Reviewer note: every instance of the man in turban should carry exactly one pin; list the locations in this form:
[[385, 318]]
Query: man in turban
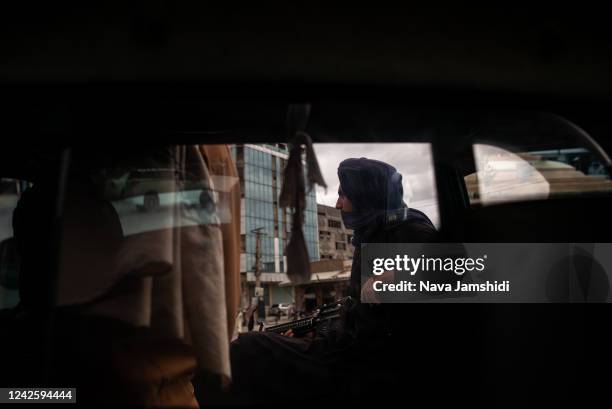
[[371, 202]]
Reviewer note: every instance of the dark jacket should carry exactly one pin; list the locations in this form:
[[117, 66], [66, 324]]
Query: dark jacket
[[366, 322], [335, 365], [417, 228]]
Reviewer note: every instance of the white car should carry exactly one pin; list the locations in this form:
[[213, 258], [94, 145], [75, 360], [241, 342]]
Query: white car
[[284, 308]]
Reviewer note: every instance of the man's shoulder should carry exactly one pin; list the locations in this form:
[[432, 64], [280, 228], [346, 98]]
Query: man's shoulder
[[416, 228], [418, 217]]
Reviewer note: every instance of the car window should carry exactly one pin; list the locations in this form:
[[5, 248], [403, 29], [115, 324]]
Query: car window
[[506, 176], [122, 213], [260, 168]]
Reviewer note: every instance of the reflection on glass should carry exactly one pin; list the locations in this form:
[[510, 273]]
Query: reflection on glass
[[142, 243], [154, 203], [503, 176]]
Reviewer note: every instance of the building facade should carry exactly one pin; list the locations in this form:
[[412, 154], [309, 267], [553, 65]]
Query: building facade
[[329, 281], [260, 169], [335, 240]]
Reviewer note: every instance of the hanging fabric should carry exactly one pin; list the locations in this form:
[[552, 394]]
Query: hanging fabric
[[293, 192], [150, 253]]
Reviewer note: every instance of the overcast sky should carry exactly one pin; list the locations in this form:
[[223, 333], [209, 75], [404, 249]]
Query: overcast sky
[[412, 160]]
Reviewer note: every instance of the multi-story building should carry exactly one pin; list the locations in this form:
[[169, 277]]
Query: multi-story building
[[260, 168], [334, 237]]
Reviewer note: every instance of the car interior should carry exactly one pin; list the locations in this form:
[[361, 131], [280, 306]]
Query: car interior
[[106, 300]]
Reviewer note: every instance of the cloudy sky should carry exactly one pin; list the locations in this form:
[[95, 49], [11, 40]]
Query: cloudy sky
[[412, 160]]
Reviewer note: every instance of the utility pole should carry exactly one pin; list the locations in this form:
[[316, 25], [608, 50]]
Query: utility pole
[[261, 310]]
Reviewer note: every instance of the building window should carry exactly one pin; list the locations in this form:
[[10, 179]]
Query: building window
[[340, 246], [334, 224], [324, 235]]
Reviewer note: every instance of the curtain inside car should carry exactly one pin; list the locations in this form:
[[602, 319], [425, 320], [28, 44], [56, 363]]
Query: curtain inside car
[[142, 243]]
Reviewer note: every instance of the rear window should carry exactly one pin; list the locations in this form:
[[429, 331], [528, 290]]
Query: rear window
[[534, 156], [506, 176]]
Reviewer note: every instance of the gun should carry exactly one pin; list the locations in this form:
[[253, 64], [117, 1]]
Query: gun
[[321, 320]]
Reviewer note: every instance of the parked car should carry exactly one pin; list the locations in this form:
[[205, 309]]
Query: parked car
[[284, 308], [279, 309]]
